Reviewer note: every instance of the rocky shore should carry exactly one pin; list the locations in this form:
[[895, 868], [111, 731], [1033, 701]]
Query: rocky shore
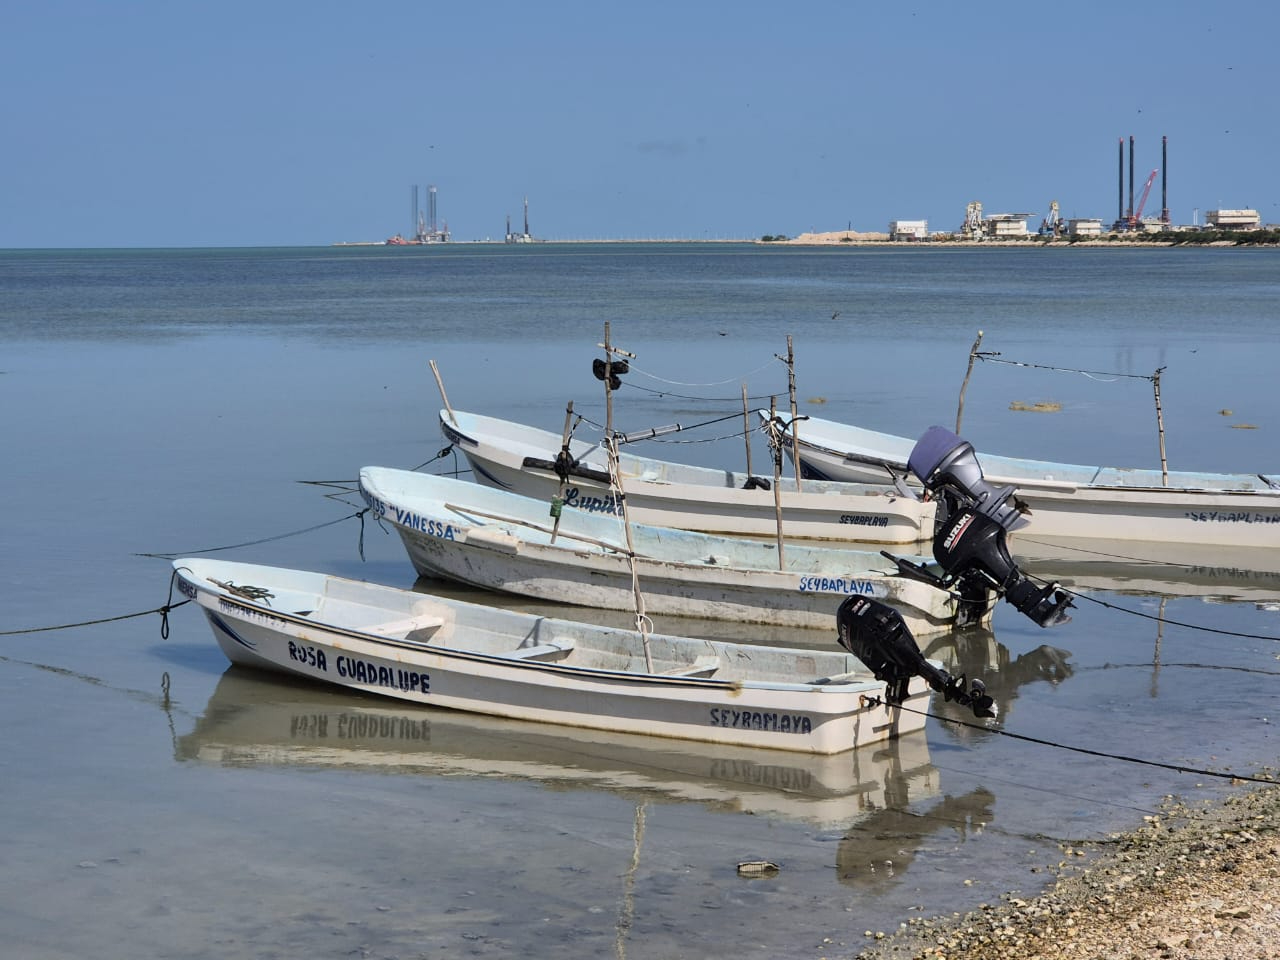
[[1193, 883]]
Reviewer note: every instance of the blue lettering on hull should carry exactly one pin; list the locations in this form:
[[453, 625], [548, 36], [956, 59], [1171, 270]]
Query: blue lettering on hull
[[837, 585], [407, 518], [574, 498], [377, 675]]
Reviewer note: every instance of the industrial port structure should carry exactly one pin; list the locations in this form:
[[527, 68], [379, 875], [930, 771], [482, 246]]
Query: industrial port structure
[[429, 230], [1129, 217], [976, 226]]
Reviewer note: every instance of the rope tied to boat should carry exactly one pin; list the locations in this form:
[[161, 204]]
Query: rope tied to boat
[[993, 356], [879, 701], [163, 611], [251, 543]]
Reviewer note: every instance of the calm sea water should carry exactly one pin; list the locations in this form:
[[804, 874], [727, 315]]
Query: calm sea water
[[157, 803]]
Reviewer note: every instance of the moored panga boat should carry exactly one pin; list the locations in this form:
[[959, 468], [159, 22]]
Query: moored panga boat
[[528, 461], [447, 653], [458, 530], [1182, 509]]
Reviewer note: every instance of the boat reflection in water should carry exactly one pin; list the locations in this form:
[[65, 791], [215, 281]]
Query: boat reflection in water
[[879, 804], [260, 719], [1213, 574]]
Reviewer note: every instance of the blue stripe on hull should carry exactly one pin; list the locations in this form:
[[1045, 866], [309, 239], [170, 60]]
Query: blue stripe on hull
[[222, 625]]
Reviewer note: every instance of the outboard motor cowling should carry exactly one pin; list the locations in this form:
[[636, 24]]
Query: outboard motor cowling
[[945, 462]]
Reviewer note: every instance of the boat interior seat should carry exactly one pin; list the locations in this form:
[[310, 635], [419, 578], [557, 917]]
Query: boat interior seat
[[421, 627], [703, 666], [851, 677], [552, 650]]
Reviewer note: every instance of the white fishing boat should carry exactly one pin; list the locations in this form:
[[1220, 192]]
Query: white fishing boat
[[255, 719], [525, 460], [439, 653], [458, 530], [1074, 501]]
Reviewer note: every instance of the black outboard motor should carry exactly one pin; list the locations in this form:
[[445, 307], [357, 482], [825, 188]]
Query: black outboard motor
[[876, 634], [971, 545], [971, 542], [947, 465]]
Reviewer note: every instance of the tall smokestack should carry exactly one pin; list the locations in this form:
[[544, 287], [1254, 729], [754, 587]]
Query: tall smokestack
[[1164, 179], [1130, 211], [1120, 206]]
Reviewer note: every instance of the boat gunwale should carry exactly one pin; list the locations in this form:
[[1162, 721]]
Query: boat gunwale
[[992, 464], [818, 685]]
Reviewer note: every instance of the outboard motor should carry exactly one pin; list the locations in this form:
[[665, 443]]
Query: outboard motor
[[947, 465], [971, 543], [876, 634]]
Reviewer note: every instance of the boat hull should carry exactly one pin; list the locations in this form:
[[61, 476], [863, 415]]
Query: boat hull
[[519, 459], [450, 541], [1069, 501]]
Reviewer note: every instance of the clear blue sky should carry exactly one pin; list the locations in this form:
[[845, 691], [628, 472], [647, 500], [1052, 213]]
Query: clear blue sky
[[276, 123]]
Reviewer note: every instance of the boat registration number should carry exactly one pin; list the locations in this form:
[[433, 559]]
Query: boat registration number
[[407, 518]]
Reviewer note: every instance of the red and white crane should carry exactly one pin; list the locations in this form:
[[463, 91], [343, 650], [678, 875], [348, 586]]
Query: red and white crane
[[1135, 221]]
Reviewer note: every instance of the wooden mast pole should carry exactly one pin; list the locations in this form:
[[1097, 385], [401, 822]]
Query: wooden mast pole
[[557, 502], [1164, 462], [795, 420], [615, 479], [973, 355], [777, 485]]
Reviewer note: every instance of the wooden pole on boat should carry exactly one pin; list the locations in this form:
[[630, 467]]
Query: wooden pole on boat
[[443, 396], [557, 502], [642, 620], [973, 355], [608, 389], [795, 420], [1164, 462], [777, 486], [615, 480], [746, 428]]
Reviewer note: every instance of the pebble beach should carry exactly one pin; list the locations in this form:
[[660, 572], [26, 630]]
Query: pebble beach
[[1193, 883]]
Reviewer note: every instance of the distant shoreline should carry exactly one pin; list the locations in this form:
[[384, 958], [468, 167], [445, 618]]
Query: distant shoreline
[[1029, 242]]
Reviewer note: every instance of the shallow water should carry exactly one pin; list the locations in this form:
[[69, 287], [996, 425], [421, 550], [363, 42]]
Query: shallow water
[[172, 402]]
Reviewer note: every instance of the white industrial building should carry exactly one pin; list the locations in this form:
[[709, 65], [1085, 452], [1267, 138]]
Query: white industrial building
[[1084, 228], [909, 230], [1233, 220], [1000, 225]]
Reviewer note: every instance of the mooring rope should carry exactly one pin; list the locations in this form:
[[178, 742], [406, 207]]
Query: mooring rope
[[714, 383], [163, 611], [1157, 617], [682, 396], [680, 428], [1141, 761], [250, 543], [994, 357]]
